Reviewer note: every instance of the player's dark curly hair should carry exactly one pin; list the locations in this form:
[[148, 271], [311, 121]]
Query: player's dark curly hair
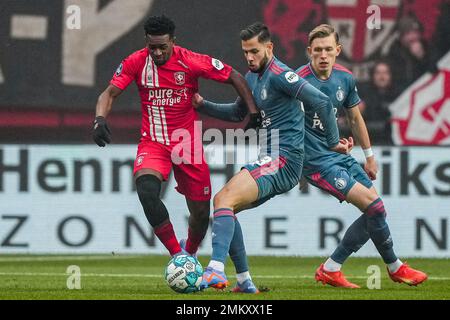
[[256, 29], [159, 25]]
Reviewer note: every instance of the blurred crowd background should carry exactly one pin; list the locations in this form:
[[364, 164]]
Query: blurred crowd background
[[52, 74]]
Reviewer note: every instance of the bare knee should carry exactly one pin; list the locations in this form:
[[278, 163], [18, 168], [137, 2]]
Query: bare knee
[[361, 196], [223, 199], [218, 198], [372, 196]]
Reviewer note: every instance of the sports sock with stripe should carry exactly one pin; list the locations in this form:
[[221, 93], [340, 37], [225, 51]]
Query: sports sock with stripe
[[237, 250], [354, 238], [379, 231], [222, 233]]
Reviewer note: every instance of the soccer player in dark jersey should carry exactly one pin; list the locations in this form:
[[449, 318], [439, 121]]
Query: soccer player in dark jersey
[[277, 91], [167, 78], [341, 175]]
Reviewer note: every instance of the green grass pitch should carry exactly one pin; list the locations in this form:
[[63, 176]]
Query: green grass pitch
[[141, 277]]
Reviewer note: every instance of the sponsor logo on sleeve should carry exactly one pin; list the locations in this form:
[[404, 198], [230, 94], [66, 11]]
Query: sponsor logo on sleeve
[[119, 70], [291, 77], [217, 64]]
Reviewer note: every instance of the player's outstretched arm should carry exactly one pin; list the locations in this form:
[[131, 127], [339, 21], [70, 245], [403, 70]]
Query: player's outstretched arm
[[242, 88], [233, 112], [359, 131], [294, 86], [101, 133], [105, 100], [322, 105]]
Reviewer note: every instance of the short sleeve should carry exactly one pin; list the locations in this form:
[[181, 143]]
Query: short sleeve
[[125, 74], [207, 67], [353, 98]]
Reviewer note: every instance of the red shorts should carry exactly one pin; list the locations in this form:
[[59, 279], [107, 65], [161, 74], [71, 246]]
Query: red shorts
[[190, 170]]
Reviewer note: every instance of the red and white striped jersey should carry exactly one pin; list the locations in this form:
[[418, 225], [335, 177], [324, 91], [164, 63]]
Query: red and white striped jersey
[[166, 91]]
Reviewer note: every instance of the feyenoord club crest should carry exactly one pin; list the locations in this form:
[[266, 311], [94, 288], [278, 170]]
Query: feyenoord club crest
[[264, 94], [179, 78], [340, 183], [340, 94]]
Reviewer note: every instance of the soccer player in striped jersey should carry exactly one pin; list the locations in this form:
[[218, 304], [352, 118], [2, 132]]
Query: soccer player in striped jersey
[[167, 78], [341, 175]]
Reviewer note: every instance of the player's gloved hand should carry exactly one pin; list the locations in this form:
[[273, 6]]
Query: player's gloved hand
[[101, 133], [254, 122]]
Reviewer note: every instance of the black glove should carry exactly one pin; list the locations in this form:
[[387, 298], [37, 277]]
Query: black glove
[[101, 133], [254, 122]]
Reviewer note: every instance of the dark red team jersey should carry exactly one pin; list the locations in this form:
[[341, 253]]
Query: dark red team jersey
[[166, 91]]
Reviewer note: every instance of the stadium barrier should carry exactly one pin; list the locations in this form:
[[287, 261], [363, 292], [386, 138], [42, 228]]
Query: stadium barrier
[[81, 199]]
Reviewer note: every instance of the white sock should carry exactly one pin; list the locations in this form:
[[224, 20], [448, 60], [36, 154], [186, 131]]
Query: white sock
[[241, 277], [332, 266], [217, 265], [394, 266]]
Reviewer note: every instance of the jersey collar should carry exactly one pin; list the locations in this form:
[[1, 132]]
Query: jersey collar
[[267, 67], [316, 76]]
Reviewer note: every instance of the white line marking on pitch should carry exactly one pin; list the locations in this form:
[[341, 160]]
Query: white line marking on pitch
[[66, 258], [131, 275]]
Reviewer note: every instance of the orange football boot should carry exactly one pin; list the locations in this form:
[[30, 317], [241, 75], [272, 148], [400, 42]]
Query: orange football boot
[[246, 287], [214, 278], [408, 275], [335, 279]]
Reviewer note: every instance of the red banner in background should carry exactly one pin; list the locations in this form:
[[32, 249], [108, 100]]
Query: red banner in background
[[291, 21], [47, 82], [421, 115]]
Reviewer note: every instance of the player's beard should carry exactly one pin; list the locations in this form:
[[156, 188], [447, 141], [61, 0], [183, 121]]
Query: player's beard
[[163, 59], [262, 65], [160, 62]]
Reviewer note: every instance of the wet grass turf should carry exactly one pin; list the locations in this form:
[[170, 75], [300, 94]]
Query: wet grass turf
[[141, 277]]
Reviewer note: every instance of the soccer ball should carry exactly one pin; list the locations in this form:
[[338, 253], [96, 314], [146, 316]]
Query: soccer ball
[[184, 274]]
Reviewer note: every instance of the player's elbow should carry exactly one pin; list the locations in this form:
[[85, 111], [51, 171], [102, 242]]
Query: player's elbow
[[235, 77], [322, 102], [326, 101], [112, 92], [352, 121]]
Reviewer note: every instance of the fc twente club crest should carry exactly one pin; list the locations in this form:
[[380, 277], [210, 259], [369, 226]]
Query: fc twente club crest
[[179, 78]]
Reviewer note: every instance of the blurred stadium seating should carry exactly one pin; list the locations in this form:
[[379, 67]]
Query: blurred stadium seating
[[51, 75]]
